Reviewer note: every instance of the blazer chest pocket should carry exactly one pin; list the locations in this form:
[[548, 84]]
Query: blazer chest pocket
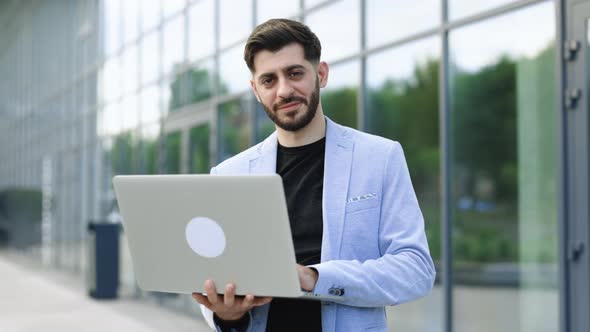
[[362, 202]]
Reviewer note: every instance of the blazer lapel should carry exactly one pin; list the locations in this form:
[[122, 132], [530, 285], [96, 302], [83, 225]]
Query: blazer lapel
[[264, 161], [337, 166]]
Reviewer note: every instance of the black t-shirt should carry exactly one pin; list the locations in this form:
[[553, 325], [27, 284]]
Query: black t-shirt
[[302, 170]]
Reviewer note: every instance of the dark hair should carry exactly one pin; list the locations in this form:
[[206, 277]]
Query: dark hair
[[275, 34]]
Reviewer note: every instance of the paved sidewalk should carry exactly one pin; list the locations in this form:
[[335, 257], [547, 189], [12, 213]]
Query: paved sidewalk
[[34, 299]]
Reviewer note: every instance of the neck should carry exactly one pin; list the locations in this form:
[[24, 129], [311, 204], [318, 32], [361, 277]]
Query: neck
[[313, 132]]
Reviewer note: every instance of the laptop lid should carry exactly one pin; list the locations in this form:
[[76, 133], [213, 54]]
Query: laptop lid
[[184, 229]]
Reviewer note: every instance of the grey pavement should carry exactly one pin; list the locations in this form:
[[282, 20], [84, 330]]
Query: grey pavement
[[33, 299]]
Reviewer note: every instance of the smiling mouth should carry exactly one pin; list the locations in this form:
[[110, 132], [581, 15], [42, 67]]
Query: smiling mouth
[[289, 106]]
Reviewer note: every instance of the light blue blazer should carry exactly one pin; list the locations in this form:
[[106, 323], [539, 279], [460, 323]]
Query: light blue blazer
[[374, 250]]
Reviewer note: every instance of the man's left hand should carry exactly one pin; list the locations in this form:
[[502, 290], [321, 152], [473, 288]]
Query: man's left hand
[[307, 277]]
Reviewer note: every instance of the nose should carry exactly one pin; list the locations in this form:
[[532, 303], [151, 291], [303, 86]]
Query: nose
[[285, 90]]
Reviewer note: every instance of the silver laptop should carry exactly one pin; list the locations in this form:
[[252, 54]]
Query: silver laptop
[[184, 229]]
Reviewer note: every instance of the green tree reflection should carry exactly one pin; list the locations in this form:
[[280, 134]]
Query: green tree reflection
[[340, 105], [190, 86]]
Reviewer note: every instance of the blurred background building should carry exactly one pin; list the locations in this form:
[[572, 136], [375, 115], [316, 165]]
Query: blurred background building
[[472, 89]]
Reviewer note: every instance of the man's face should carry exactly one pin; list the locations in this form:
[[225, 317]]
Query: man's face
[[288, 86]]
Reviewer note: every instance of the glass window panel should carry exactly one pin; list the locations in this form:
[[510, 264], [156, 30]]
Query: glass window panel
[[179, 89], [462, 8], [165, 99], [111, 120], [339, 97], [129, 112], [150, 14], [199, 153], [193, 85], [111, 26], [503, 168], [111, 80], [402, 104], [233, 128], [173, 50], [312, 3], [331, 35], [264, 125], [99, 123], [507, 41], [201, 81], [148, 146], [172, 145], [130, 12], [234, 74], [268, 9], [90, 91], [106, 176], [124, 154], [129, 70], [150, 105], [201, 29], [150, 58], [235, 21], [171, 7], [391, 20], [90, 127]]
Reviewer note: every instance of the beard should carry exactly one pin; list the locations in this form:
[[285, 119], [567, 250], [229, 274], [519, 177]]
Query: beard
[[295, 121]]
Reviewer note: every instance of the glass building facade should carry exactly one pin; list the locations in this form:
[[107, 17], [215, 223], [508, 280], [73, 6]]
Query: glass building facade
[[90, 89]]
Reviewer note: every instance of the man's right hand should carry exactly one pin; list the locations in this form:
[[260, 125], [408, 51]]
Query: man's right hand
[[228, 306]]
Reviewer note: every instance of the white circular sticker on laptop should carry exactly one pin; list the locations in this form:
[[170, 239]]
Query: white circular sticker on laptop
[[205, 237]]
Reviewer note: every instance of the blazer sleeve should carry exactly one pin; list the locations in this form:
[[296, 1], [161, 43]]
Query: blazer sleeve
[[405, 270]]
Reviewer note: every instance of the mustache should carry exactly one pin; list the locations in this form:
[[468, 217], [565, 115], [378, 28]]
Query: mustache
[[288, 101]]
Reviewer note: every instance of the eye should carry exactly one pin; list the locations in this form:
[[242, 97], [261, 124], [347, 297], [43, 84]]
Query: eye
[[296, 73], [266, 81]]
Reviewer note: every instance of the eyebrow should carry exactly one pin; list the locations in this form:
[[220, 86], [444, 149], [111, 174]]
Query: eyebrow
[[288, 68]]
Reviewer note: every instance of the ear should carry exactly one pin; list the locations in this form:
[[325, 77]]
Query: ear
[[253, 85], [323, 72]]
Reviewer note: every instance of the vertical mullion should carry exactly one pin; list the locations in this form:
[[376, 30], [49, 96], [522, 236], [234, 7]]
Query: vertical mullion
[[161, 149], [251, 102], [445, 148], [214, 128], [564, 298], [301, 10], [362, 89]]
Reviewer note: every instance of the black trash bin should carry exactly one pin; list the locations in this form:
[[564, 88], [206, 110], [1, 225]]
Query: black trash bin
[[103, 265]]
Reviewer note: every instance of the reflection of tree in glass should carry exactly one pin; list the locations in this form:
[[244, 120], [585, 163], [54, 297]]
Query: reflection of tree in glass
[[340, 105], [484, 127], [149, 155], [130, 157], [264, 125], [407, 111], [124, 155], [190, 86], [234, 129], [172, 145], [266, 129], [486, 106], [199, 137]]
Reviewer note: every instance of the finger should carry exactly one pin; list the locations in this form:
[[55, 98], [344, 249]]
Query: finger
[[258, 301], [211, 292], [229, 296], [202, 299], [248, 302]]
